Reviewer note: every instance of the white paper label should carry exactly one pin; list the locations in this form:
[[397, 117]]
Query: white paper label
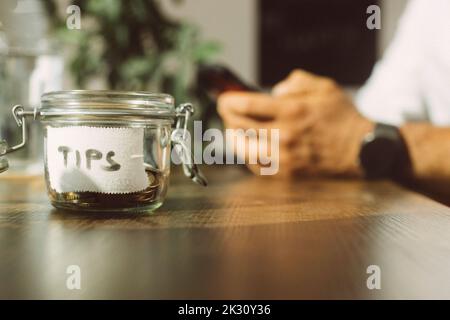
[[94, 159]]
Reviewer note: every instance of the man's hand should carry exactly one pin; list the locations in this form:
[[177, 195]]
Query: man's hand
[[320, 129]]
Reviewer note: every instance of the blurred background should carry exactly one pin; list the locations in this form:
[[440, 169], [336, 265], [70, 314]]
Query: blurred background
[[158, 45]]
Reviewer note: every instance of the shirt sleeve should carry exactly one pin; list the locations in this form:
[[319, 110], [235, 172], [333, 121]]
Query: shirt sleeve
[[393, 92]]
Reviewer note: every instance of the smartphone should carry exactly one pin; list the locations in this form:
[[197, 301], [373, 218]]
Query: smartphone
[[217, 79]]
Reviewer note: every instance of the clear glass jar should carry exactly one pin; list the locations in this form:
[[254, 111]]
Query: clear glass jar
[[109, 151]]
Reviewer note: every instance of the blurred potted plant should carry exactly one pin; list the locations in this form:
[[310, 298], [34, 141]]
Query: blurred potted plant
[[132, 45]]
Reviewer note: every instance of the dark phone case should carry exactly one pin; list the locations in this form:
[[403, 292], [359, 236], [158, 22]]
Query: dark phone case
[[217, 79]]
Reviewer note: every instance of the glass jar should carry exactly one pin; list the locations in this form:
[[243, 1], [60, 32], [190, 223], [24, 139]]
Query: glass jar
[[107, 150]]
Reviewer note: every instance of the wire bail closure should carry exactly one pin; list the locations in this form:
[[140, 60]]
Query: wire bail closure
[[20, 115], [179, 138]]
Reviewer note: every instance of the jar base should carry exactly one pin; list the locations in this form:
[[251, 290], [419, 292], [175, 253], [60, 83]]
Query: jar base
[[147, 209]]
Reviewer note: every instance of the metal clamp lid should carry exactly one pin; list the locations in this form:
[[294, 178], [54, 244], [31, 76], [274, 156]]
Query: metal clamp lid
[[19, 114], [179, 135]]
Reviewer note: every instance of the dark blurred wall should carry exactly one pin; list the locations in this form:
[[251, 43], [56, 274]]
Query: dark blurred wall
[[328, 37]]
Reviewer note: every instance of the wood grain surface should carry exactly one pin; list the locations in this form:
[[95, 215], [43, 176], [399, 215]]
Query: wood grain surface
[[243, 237]]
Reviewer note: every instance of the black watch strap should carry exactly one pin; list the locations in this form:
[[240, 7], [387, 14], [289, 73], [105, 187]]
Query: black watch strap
[[384, 153]]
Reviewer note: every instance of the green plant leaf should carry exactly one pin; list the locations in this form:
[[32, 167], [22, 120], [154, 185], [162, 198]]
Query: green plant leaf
[[206, 51], [109, 9]]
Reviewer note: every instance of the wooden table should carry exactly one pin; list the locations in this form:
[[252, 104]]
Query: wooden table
[[242, 237]]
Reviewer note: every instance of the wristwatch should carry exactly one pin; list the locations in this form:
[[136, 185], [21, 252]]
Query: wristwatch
[[383, 153]]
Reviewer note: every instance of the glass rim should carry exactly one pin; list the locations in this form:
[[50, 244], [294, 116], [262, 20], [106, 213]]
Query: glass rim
[[107, 102]]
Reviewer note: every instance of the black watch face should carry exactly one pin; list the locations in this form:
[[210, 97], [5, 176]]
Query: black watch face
[[377, 157]]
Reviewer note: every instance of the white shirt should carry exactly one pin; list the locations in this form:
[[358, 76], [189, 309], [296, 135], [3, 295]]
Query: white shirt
[[412, 80]]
